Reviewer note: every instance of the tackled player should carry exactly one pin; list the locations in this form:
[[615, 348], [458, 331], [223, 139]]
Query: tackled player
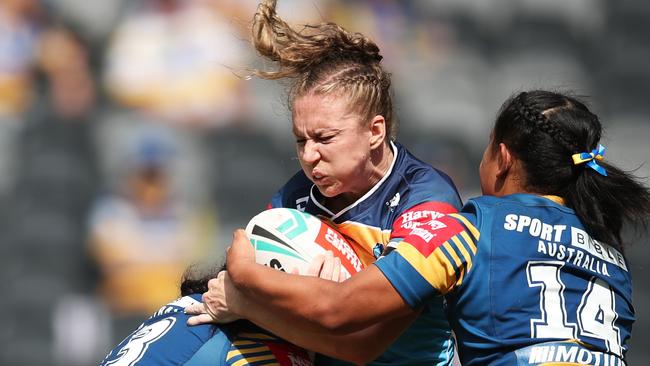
[[509, 303]]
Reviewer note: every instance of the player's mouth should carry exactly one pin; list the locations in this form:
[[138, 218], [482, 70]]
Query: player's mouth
[[318, 177]]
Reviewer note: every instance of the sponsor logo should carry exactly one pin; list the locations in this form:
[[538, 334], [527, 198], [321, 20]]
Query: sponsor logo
[[564, 353], [436, 225], [413, 219], [394, 201], [301, 203], [580, 239], [342, 246]]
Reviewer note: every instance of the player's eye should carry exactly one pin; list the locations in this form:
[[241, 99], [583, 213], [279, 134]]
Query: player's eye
[[326, 139]]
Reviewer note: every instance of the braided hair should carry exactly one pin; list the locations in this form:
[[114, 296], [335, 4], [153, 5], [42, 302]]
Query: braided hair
[[543, 129], [325, 59]]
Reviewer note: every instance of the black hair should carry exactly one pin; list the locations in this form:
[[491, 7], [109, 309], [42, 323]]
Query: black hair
[[195, 281], [543, 129]]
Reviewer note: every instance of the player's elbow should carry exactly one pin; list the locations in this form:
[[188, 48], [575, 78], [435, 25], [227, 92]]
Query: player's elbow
[[332, 317]]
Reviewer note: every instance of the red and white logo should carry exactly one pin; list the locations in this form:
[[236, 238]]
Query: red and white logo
[[423, 214]]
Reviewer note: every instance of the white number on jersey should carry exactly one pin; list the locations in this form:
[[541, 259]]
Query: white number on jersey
[[596, 313], [137, 346]]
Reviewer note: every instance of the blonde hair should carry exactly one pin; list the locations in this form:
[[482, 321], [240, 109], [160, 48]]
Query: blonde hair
[[325, 59]]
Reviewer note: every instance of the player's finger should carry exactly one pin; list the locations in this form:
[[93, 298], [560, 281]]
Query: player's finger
[[346, 276], [316, 265], [337, 276], [200, 319], [327, 272], [195, 309], [241, 250]]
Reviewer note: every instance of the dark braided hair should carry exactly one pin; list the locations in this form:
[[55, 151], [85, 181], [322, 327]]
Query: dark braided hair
[[543, 129]]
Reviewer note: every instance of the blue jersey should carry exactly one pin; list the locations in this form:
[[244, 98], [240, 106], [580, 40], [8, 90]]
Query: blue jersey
[[525, 283], [166, 339], [409, 195]]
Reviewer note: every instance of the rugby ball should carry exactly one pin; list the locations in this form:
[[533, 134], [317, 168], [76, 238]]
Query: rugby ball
[[288, 240]]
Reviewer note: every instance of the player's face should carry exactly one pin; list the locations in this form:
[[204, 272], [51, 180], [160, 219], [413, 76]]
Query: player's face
[[488, 169], [333, 146]]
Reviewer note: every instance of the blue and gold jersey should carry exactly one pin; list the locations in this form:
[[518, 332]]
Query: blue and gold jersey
[[524, 282], [411, 194], [166, 339]]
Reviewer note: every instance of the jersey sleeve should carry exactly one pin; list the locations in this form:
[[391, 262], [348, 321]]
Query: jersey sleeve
[[412, 219], [432, 259]]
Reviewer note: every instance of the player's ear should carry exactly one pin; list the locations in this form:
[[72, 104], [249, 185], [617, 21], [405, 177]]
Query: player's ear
[[377, 131], [504, 160]]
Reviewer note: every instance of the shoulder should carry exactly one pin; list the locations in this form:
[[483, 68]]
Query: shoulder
[[425, 183], [166, 336]]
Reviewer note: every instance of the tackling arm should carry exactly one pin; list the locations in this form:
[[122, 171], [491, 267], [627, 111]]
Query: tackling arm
[[309, 304]]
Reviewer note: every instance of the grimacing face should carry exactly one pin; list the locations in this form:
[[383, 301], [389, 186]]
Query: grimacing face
[[333, 146]]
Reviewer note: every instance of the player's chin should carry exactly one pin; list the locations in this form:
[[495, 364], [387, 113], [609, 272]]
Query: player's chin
[[329, 190]]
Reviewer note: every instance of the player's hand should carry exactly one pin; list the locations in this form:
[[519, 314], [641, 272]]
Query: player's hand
[[240, 255], [218, 303], [327, 267]]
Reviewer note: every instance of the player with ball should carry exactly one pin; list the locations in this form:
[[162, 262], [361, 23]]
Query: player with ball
[[354, 175]]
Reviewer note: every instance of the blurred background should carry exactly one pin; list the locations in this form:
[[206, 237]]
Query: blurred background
[[131, 143]]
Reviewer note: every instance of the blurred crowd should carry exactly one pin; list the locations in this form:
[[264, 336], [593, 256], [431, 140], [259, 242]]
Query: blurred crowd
[[132, 140]]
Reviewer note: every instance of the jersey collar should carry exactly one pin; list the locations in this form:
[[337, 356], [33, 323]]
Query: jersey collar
[[557, 199]]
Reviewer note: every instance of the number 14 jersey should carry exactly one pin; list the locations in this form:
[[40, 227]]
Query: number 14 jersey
[[524, 283]]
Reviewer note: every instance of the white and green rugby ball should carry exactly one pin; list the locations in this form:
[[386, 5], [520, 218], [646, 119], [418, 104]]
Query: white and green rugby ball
[[288, 240]]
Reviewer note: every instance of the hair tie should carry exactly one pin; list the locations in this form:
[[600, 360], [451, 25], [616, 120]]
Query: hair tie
[[591, 158]]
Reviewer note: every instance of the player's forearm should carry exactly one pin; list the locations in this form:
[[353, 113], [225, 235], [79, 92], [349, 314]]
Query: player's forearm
[[309, 304], [358, 347], [316, 305]]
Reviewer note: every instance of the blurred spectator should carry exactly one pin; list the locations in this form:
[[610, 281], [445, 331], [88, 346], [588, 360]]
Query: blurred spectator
[[54, 183], [19, 28], [20, 22], [175, 58], [143, 237]]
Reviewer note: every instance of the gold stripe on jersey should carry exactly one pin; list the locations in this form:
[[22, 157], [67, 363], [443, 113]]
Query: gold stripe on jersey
[[471, 243], [364, 238], [461, 247], [454, 255], [475, 233], [245, 351], [436, 269], [463, 251], [252, 360], [453, 251]]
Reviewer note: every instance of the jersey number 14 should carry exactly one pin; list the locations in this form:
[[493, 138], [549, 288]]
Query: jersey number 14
[[596, 314]]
